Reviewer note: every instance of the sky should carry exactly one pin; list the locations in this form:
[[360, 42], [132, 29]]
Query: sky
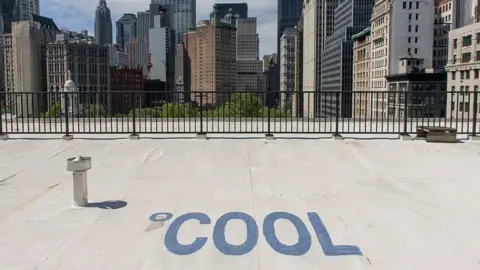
[[78, 15]]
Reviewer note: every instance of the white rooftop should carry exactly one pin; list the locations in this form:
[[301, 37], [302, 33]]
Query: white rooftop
[[385, 204]]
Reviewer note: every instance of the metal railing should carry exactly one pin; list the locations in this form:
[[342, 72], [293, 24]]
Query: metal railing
[[237, 112]]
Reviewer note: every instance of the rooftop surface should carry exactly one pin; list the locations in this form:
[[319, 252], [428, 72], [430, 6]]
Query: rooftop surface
[[297, 204]]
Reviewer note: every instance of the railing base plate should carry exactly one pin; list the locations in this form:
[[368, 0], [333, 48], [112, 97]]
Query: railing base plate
[[269, 137], [474, 138], [134, 137], [405, 137], [337, 137], [67, 137], [4, 137], [201, 136]]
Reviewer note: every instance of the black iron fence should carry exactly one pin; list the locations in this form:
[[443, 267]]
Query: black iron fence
[[389, 112]]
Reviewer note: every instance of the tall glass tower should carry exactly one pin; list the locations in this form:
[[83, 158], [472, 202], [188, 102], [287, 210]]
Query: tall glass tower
[[288, 15], [184, 13], [103, 24]]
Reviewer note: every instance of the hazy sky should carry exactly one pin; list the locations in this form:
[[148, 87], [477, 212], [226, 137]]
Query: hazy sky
[[77, 15]]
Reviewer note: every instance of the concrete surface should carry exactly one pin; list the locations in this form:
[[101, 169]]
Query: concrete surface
[[402, 204]]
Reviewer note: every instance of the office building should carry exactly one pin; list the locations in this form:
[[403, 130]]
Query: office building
[[184, 15], [126, 85], [126, 29], [210, 64], [103, 24], [351, 17], [399, 29], [361, 75], [287, 65], [24, 55], [89, 66], [463, 71], [162, 48], [8, 11], [428, 91], [297, 98], [449, 15], [318, 19], [131, 49], [117, 58], [249, 67], [143, 28], [288, 15], [236, 8], [267, 60]]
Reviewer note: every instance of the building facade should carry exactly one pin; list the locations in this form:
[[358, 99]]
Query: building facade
[[211, 60], [117, 58], [288, 15], [361, 75], [126, 28], [267, 59], [143, 28], [415, 92], [162, 49], [88, 64], [184, 15], [131, 50], [297, 99], [249, 67], [287, 65], [126, 85], [337, 57], [241, 9], [463, 71], [103, 24]]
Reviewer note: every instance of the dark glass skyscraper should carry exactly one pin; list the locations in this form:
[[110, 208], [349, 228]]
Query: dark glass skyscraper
[[7, 11], [103, 24], [288, 15], [184, 15], [126, 29], [237, 8]]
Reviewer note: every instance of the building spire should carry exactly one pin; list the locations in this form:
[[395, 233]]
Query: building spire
[[102, 3]]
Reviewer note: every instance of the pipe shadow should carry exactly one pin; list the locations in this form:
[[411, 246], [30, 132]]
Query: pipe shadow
[[108, 205]]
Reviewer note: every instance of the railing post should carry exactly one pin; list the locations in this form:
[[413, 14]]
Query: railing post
[[67, 135], [269, 135], [336, 134], [3, 136], [404, 135], [134, 135], [201, 134], [475, 112]]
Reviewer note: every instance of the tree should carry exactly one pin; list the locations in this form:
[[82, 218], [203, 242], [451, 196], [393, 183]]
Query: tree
[[179, 110], [94, 110], [146, 113], [241, 105]]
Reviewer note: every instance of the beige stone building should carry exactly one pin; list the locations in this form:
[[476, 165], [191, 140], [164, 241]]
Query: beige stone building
[[26, 59], [463, 71], [310, 54], [88, 64], [210, 64], [361, 74]]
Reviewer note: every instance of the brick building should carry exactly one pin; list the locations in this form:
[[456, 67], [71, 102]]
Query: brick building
[[124, 82]]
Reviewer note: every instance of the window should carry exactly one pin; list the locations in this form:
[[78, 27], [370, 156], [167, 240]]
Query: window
[[409, 39], [417, 4], [416, 50], [410, 5], [416, 28], [467, 40], [476, 73], [404, 4], [453, 88], [466, 57], [467, 74], [409, 50], [416, 16], [454, 75], [416, 39], [455, 43], [409, 28], [410, 16]]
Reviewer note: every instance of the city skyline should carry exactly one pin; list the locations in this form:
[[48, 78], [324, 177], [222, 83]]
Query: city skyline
[[79, 15]]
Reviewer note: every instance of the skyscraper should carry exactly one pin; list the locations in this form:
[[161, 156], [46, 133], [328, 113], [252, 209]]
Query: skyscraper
[[143, 28], [184, 15], [289, 13], [15, 10], [210, 60], [7, 11], [103, 24], [249, 68], [126, 28]]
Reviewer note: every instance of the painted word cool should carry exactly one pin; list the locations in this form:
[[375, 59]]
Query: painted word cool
[[300, 248]]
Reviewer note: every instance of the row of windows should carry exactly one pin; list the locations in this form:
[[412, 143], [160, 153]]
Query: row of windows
[[410, 4], [465, 74]]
